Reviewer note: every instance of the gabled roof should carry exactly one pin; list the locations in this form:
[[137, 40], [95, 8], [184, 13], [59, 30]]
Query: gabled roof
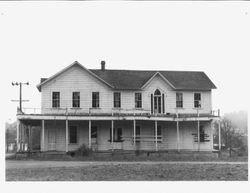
[[44, 80], [136, 80]]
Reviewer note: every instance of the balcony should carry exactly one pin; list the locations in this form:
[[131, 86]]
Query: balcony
[[115, 113]]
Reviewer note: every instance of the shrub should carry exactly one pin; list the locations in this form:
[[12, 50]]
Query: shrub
[[83, 150]]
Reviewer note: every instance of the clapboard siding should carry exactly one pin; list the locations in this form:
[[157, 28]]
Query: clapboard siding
[[76, 79], [169, 135]]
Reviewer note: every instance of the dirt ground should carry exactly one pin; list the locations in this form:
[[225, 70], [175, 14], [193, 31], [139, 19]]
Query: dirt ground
[[124, 171]]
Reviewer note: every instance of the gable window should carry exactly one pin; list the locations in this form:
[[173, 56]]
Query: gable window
[[56, 99], [157, 101], [197, 100], [202, 134], [138, 100], [117, 134], [179, 100], [95, 100], [117, 99], [76, 99], [159, 133], [72, 134]]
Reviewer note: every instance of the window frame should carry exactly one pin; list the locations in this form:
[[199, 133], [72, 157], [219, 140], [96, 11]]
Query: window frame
[[116, 137], [197, 102], [96, 101], [77, 100], [117, 100], [70, 133], [202, 134], [138, 136], [55, 101], [94, 135], [179, 103], [138, 100]]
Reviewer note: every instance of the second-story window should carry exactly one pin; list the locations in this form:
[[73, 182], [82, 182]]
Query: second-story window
[[76, 99], [117, 99], [197, 100], [56, 99], [95, 100], [138, 100], [179, 100]]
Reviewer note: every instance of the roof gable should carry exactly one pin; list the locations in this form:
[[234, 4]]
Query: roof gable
[[135, 79], [44, 80]]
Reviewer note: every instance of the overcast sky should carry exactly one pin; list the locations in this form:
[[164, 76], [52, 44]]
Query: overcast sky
[[39, 40]]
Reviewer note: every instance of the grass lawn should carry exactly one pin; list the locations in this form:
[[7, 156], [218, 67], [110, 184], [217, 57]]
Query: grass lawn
[[133, 172]]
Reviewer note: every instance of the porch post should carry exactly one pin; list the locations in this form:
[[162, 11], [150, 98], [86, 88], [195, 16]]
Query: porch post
[[134, 133], [198, 135], [18, 135], [67, 135], [89, 133], [178, 133], [112, 134], [219, 136], [156, 137], [42, 141]]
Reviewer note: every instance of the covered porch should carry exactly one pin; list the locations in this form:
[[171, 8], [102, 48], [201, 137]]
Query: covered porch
[[114, 133]]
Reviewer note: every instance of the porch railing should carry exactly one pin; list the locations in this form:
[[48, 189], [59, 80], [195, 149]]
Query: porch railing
[[111, 112]]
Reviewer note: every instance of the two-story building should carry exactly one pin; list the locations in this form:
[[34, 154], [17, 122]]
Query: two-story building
[[121, 109]]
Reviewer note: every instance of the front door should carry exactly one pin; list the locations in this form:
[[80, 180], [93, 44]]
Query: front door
[[52, 139]]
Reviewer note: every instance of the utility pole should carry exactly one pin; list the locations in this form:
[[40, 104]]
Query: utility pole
[[20, 94], [18, 130]]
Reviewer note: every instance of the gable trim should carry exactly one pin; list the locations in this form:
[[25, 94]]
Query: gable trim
[[68, 67], [163, 77]]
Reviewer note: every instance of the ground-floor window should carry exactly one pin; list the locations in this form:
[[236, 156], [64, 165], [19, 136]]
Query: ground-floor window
[[117, 134], [94, 134], [72, 134], [137, 133], [159, 133], [202, 134]]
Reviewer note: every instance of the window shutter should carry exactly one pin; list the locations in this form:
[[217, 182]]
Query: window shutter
[[163, 103], [152, 104]]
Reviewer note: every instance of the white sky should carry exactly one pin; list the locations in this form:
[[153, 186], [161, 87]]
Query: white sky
[[38, 40]]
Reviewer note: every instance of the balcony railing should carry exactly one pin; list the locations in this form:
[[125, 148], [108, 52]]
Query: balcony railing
[[111, 112]]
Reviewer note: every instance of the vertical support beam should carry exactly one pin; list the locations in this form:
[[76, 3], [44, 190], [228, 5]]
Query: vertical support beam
[[198, 134], [134, 134], [18, 135], [43, 137], [112, 134], [30, 137], [219, 136], [198, 129], [156, 137], [67, 136], [90, 134], [178, 133]]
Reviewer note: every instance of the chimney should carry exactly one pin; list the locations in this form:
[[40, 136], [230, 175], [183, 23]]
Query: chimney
[[103, 65]]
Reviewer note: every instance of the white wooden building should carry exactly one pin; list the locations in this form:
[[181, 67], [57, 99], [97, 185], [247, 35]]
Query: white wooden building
[[121, 110]]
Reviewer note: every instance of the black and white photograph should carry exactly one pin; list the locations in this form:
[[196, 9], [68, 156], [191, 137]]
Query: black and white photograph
[[124, 96]]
